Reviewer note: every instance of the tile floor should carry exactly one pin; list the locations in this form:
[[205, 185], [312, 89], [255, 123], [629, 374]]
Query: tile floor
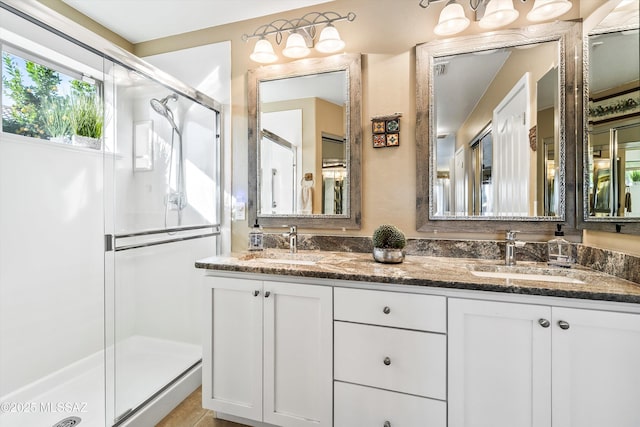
[[190, 413]]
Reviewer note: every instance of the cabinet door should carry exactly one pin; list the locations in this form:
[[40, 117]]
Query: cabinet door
[[232, 362], [298, 354], [499, 364], [596, 368]]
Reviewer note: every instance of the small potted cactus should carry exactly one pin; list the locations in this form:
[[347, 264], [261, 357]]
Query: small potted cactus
[[388, 244]]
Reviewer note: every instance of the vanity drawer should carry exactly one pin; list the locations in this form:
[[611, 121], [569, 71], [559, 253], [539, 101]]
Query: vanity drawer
[[356, 405], [400, 310], [394, 359]]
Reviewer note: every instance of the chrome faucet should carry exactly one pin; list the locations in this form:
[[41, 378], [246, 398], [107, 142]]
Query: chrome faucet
[[293, 239], [510, 249]]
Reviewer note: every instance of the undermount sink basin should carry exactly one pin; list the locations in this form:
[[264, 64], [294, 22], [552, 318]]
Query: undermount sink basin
[[283, 258], [537, 274], [526, 276], [288, 261]]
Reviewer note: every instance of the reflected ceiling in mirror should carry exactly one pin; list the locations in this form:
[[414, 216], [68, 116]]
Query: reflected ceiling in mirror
[[305, 143], [491, 126]]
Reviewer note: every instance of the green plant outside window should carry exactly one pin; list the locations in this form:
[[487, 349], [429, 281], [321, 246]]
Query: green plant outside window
[[43, 103]]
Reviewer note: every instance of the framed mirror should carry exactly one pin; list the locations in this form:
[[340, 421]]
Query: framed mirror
[[491, 131], [611, 101], [305, 142]]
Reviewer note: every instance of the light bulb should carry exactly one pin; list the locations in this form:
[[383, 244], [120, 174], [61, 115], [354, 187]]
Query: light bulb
[[296, 46], [543, 10], [263, 52], [329, 40], [498, 14], [452, 20]]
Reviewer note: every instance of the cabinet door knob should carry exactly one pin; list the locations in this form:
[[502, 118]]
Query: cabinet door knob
[[256, 293], [387, 424], [387, 361], [544, 323], [266, 294], [563, 325], [386, 310]]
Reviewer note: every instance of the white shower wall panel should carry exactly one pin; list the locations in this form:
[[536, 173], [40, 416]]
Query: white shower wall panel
[[51, 258], [158, 291], [141, 195]]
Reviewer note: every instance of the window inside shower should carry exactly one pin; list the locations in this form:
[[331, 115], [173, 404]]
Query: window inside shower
[[100, 303], [44, 100]]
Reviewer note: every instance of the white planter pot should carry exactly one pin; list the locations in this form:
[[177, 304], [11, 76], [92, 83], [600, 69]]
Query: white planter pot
[[85, 141]]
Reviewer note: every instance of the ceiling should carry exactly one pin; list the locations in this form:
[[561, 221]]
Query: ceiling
[[143, 20]]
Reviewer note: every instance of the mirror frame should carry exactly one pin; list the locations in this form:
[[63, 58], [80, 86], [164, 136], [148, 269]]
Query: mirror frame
[[351, 63], [567, 34], [624, 225]]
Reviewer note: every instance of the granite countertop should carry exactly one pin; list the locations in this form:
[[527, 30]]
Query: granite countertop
[[430, 271]]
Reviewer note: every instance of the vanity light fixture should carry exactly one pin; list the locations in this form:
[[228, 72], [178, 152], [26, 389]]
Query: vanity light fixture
[[492, 14], [301, 32]]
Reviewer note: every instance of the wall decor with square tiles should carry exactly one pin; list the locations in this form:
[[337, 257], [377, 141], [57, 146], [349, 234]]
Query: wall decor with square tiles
[[386, 130]]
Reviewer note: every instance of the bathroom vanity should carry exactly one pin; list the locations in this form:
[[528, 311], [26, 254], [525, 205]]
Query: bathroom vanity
[[335, 339]]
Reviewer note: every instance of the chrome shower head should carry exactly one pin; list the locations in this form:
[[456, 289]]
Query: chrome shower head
[[160, 107]]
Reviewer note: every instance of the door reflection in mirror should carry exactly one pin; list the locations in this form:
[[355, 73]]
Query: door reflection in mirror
[[277, 173], [486, 163]]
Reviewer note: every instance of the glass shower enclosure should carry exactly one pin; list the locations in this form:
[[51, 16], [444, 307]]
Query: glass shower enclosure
[[164, 176], [100, 303]]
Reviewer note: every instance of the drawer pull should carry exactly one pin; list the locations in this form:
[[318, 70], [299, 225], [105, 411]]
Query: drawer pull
[[544, 323], [563, 325], [386, 310], [266, 294], [386, 424], [256, 293], [387, 361]]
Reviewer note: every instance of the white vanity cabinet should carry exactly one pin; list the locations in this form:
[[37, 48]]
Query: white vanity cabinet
[[390, 359], [514, 364], [268, 351]]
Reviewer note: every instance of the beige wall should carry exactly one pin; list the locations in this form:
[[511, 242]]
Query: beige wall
[[385, 32]]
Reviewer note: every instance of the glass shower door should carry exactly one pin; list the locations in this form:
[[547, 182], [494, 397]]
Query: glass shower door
[[165, 215]]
